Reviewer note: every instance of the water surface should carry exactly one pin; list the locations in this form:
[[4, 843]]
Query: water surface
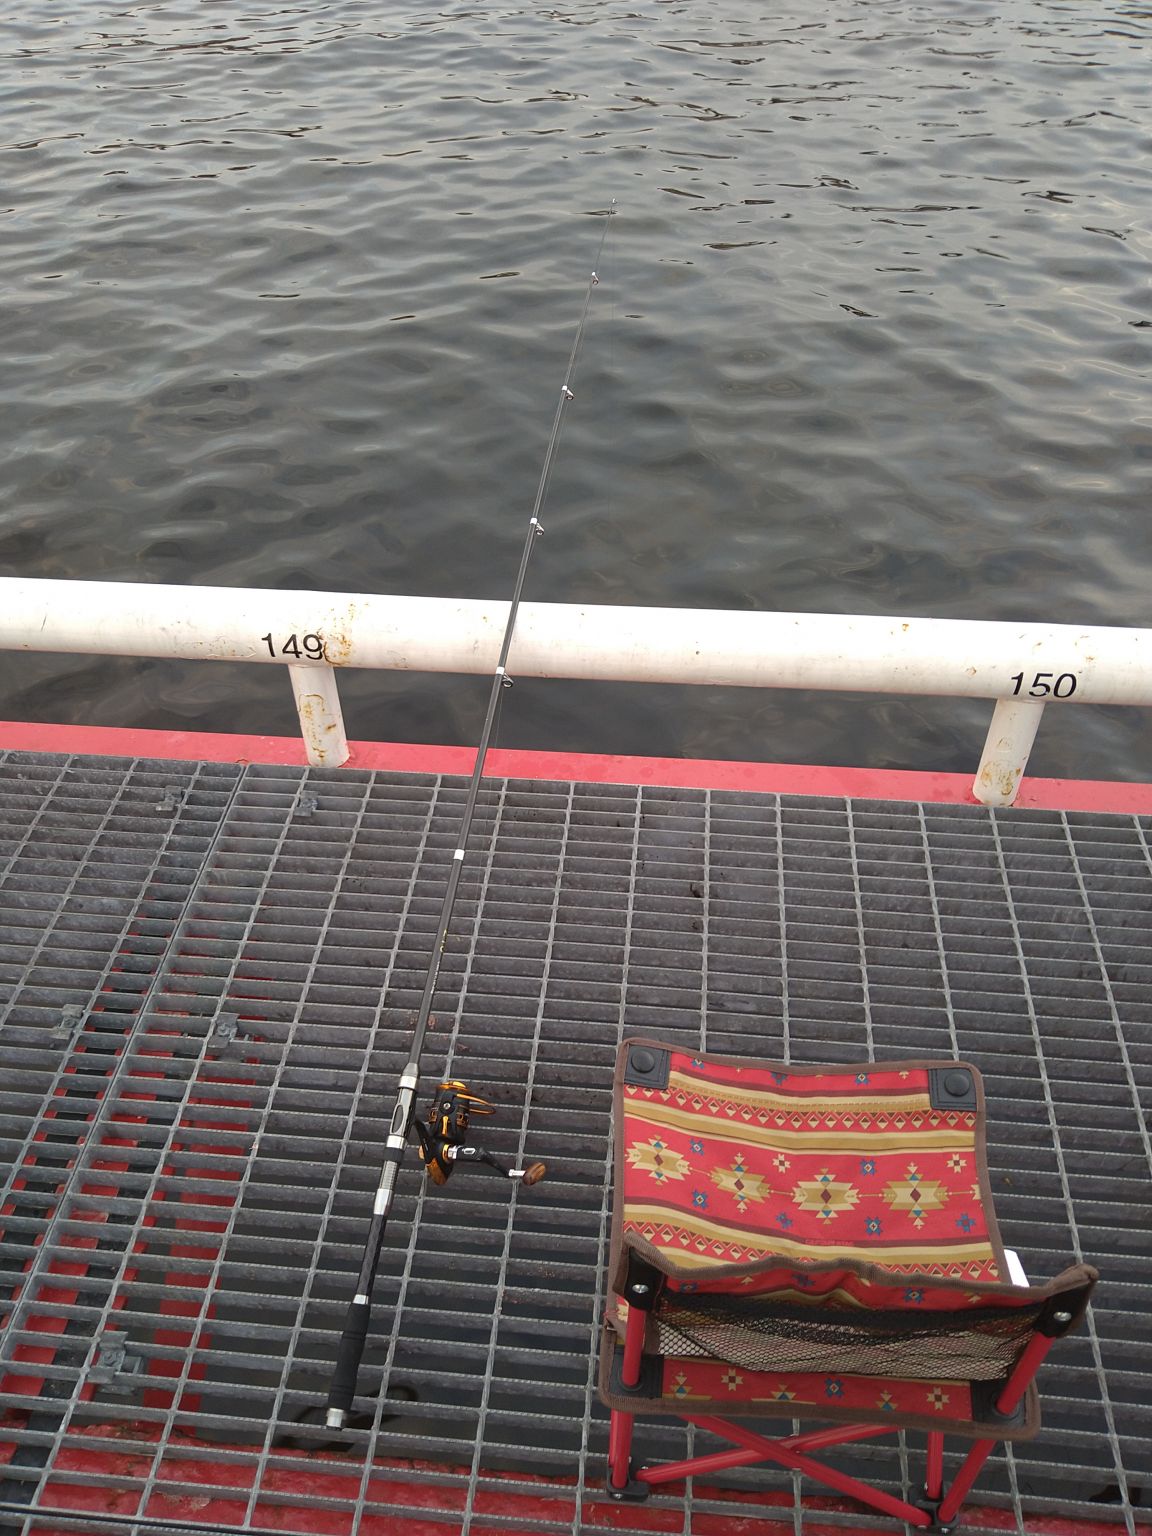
[[290, 287]]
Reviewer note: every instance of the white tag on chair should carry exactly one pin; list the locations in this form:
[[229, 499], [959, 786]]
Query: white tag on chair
[[1015, 1268]]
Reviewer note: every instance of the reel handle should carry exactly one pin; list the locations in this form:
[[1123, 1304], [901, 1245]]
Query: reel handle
[[530, 1175]]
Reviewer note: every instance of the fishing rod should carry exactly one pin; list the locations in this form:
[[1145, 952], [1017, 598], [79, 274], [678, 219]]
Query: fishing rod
[[443, 1138]]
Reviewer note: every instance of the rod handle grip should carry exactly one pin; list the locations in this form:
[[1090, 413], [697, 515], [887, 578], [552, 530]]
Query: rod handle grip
[[342, 1388]]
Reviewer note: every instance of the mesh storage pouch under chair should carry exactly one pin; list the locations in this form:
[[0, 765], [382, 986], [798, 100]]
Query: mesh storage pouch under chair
[[761, 1335], [816, 1242]]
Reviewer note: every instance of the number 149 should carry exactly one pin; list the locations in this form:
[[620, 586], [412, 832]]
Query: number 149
[[311, 646]]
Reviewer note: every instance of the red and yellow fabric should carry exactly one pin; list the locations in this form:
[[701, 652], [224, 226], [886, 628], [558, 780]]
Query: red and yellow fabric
[[688, 1384], [734, 1165]]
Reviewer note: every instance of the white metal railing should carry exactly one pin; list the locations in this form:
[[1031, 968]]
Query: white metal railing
[[1024, 667]]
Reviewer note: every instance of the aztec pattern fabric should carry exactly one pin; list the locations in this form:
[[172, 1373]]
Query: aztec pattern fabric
[[732, 1165], [695, 1385], [818, 1239]]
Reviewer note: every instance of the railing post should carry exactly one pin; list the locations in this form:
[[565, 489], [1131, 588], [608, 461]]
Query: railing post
[[321, 721], [1006, 749]]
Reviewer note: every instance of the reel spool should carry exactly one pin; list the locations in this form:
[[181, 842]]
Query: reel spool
[[443, 1137]]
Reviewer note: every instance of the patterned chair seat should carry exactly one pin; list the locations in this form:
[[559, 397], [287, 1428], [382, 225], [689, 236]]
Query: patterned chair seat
[[732, 1164]]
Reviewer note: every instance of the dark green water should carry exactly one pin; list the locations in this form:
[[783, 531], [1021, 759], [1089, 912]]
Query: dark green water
[[289, 290]]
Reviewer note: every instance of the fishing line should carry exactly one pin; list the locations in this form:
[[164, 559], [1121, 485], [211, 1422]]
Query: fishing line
[[443, 1136]]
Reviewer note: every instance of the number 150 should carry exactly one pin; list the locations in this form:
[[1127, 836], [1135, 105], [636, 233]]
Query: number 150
[[1063, 687]]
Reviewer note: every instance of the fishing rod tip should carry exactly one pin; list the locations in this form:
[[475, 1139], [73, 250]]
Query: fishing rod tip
[[335, 1418]]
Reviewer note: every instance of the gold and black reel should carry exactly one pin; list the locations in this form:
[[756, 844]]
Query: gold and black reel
[[443, 1137]]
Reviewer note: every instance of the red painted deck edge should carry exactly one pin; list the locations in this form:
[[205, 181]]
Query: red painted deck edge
[[672, 772], [534, 1498]]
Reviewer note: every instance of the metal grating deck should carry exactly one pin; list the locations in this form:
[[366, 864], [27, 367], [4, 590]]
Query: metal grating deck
[[193, 1093]]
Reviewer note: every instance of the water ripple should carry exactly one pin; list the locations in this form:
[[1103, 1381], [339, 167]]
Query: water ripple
[[289, 288]]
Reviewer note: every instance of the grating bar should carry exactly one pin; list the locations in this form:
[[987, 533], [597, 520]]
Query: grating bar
[[207, 982]]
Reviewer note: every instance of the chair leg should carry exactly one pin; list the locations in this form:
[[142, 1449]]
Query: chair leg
[[619, 1450], [934, 1472], [633, 1348], [962, 1482], [1007, 1403], [620, 1481]]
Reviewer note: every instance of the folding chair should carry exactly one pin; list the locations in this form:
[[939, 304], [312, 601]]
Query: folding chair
[[816, 1243]]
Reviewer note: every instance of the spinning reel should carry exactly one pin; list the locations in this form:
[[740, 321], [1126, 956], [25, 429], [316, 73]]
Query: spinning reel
[[443, 1137]]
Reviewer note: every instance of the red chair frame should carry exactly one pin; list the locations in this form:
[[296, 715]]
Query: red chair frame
[[937, 1512]]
